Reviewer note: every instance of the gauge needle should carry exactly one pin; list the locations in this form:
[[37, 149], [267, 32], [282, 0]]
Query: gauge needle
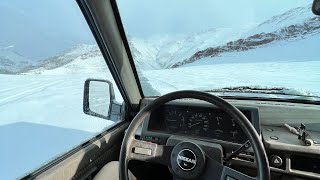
[[194, 124]]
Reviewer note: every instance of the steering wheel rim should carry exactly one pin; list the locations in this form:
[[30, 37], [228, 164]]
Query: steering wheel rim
[[254, 138]]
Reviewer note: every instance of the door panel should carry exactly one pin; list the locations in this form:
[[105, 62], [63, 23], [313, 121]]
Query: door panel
[[85, 161]]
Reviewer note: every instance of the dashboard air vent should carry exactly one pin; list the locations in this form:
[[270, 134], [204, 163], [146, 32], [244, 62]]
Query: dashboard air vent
[[304, 163]]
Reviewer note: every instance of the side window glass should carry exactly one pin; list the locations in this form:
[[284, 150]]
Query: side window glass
[[47, 52]]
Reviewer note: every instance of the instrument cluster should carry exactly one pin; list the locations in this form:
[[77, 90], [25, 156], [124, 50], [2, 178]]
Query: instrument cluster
[[200, 122]]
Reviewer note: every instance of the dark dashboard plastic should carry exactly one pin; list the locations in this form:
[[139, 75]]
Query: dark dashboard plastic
[[204, 122], [292, 152], [156, 129]]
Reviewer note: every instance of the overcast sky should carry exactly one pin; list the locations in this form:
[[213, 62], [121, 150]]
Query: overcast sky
[[38, 29], [145, 18]]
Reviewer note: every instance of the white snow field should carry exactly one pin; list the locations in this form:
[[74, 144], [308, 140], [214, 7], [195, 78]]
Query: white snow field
[[302, 77], [42, 117], [41, 109]]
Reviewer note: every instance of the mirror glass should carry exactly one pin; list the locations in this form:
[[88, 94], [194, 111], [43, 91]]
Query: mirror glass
[[99, 97]]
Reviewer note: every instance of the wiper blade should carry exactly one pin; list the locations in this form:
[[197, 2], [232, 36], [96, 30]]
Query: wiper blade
[[261, 90]]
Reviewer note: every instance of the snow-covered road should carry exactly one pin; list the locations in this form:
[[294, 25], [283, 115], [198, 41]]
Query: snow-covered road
[[42, 111], [300, 76], [50, 100]]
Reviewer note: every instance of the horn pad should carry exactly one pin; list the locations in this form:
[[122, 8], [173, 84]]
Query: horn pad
[[187, 160]]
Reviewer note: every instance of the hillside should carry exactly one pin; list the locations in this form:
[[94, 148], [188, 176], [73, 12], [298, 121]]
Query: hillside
[[293, 27], [277, 39], [280, 31], [11, 61], [164, 52], [80, 59]]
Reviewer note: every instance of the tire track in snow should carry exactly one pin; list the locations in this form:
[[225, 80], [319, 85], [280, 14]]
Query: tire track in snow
[[12, 88], [164, 82], [27, 93]]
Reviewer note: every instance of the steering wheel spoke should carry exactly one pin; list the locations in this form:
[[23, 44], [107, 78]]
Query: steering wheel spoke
[[231, 174], [215, 170], [149, 152]]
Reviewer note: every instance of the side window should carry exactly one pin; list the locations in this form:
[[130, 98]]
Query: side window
[[47, 53]]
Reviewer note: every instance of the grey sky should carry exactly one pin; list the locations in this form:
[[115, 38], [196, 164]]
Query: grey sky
[[38, 29], [145, 18]]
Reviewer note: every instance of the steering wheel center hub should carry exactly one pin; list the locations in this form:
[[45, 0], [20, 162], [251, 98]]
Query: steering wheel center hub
[[187, 160]]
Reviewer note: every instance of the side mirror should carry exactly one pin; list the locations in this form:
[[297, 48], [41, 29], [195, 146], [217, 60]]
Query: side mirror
[[99, 99], [316, 7]]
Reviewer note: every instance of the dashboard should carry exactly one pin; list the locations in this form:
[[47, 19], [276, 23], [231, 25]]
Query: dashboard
[[193, 120], [206, 122]]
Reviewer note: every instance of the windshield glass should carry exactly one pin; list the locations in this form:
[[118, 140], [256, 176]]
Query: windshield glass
[[243, 48]]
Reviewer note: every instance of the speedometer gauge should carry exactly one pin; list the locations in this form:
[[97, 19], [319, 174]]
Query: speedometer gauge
[[174, 121], [197, 123]]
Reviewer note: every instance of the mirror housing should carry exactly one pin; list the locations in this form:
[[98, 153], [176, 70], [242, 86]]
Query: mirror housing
[[316, 7], [99, 100]]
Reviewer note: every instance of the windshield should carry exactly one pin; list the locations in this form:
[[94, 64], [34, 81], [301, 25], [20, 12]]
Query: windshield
[[225, 47]]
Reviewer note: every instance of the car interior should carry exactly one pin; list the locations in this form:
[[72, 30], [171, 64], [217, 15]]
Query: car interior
[[185, 134]]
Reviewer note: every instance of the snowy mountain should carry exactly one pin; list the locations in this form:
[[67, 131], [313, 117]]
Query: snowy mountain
[[80, 59], [164, 52], [34, 34], [285, 32], [11, 61], [158, 53], [144, 52], [295, 25], [294, 16], [195, 42]]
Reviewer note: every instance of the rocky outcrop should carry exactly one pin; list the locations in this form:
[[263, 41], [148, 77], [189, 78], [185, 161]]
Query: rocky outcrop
[[310, 26]]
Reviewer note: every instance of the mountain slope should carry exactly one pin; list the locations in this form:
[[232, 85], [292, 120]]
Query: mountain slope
[[80, 59], [280, 51], [11, 62], [144, 53], [287, 31], [163, 52], [195, 42], [294, 16], [291, 29]]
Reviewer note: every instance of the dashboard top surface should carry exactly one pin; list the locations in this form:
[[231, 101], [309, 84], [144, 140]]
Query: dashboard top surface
[[267, 115]]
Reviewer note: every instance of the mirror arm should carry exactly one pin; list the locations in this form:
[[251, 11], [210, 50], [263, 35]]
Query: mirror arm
[[115, 111]]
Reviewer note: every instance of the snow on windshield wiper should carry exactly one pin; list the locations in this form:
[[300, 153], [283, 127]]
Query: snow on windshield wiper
[[264, 90]]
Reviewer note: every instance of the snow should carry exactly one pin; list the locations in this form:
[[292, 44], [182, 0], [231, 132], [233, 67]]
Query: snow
[[295, 16], [25, 146], [291, 75], [11, 61], [163, 52], [292, 64], [36, 94], [37, 112], [43, 105], [176, 51], [279, 51]]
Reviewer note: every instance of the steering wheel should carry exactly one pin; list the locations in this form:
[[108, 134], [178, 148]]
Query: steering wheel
[[187, 160]]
